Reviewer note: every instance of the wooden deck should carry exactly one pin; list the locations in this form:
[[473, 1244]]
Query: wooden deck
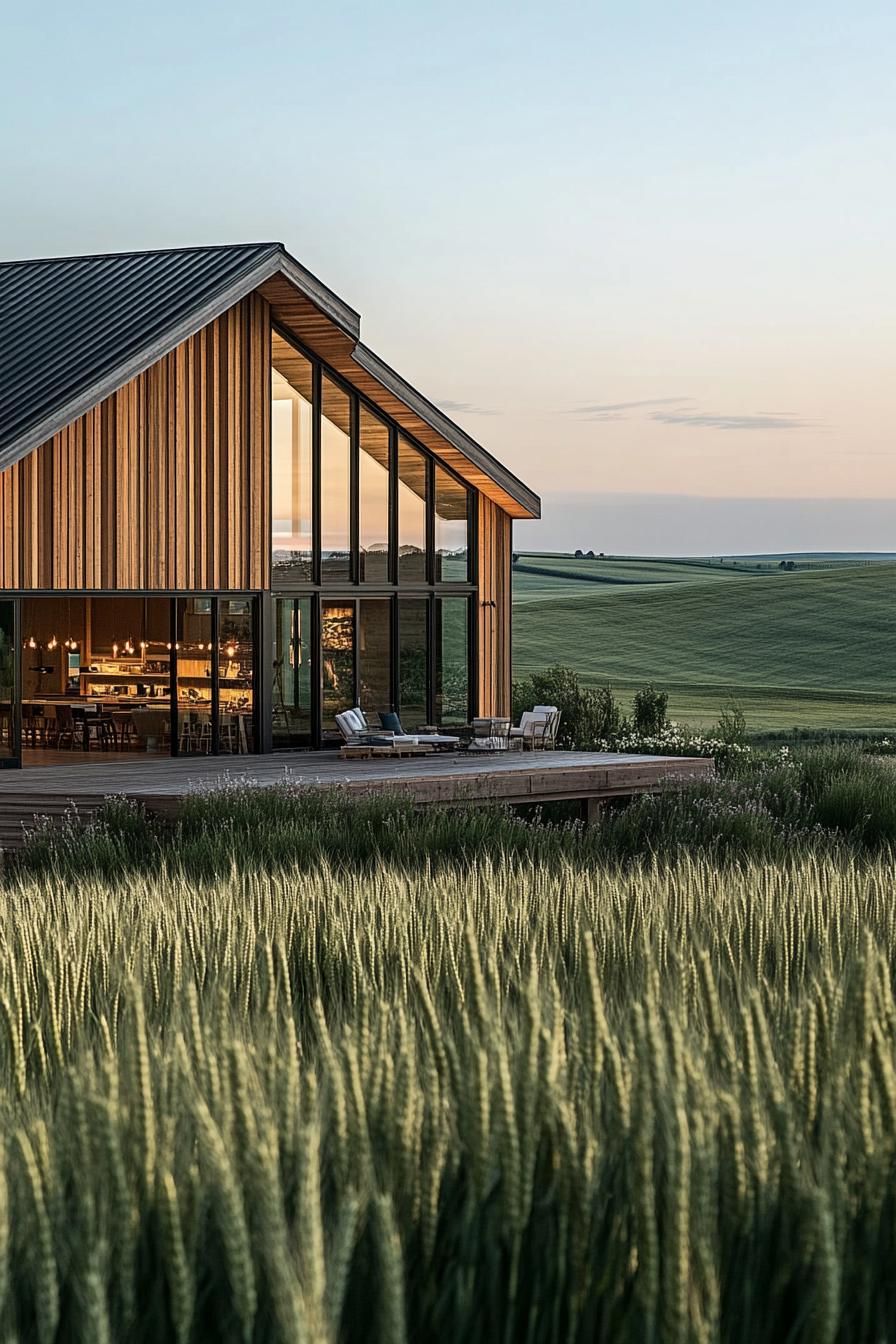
[[161, 784]]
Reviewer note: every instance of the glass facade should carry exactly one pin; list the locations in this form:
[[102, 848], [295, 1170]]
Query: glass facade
[[292, 707], [375, 656], [291, 463], [373, 499], [452, 681], [377, 611], [451, 513], [337, 657], [335, 484], [236, 682], [413, 661], [8, 735], [193, 673], [129, 674], [372, 604], [412, 501]]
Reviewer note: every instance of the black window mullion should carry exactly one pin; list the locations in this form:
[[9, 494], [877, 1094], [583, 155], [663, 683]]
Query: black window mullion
[[432, 616], [316, 671], [394, 655], [315, 472], [472, 659], [172, 678], [393, 505], [356, 650], [430, 477], [15, 721], [355, 490], [216, 675]]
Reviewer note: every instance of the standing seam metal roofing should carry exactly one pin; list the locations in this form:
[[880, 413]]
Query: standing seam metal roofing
[[72, 329], [66, 323]]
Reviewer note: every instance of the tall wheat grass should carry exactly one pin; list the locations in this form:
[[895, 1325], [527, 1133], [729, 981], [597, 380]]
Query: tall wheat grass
[[514, 1102]]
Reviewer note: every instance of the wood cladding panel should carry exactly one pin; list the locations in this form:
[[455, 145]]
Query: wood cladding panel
[[165, 484], [495, 593]]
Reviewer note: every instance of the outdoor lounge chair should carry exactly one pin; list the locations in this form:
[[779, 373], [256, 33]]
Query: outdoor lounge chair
[[357, 732], [538, 728]]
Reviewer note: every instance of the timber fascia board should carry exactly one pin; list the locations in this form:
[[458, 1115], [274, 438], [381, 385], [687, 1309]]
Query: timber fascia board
[[450, 432]]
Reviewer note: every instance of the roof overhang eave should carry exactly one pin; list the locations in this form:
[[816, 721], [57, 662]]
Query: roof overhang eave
[[528, 502]]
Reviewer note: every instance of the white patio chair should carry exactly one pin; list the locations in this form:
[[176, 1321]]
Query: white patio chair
[[537, 728]]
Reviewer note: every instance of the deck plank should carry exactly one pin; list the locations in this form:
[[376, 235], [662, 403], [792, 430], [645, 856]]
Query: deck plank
[[161, 784]]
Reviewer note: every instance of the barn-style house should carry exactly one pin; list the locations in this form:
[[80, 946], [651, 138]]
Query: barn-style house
[[224, 520]]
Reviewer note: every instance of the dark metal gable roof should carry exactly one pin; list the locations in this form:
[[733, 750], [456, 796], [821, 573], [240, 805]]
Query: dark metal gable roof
[[75, 329]]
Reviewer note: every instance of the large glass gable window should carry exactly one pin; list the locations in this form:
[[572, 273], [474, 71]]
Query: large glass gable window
[[451, 510], [354, 500], [291, 457], [373, 499], [335, 484], [374, 573], [412, 496]]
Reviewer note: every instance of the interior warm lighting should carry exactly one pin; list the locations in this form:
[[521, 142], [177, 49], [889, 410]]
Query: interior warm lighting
[[337, 632]]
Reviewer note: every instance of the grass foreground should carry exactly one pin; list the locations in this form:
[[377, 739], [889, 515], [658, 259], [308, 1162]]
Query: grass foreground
[[467, 1077]]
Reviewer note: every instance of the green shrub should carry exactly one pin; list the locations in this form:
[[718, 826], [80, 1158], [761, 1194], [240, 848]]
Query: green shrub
[[588, 715], [732, 725], [649, 708]]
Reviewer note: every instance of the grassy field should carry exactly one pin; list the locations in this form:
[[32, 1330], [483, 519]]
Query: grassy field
[[455, 1077], [811, 648]]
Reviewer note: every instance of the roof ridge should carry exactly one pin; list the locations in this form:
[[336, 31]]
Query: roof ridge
[[141, 252]]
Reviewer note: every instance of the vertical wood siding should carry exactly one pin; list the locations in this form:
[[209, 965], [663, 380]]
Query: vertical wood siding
[[165, 484], [495, 528]]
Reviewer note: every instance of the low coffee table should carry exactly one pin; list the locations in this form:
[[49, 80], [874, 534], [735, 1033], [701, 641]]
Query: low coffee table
[[489, 734]]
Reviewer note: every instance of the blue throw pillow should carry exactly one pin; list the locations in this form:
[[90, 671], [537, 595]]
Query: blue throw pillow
[[390, 721]]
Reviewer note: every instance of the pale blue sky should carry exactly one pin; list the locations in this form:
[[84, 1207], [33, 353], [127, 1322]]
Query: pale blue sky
[[636, 248]]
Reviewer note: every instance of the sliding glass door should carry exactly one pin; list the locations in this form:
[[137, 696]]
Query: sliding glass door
[[10, 738], [337, 659], [452, 661], [293, 719]]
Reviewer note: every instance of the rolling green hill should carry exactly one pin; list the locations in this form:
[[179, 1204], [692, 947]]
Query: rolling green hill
[[814, 647]]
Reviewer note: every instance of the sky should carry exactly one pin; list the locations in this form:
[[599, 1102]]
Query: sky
[[643, 252]]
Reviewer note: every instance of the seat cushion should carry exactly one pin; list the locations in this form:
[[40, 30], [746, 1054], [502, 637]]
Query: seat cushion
[[351, 724]]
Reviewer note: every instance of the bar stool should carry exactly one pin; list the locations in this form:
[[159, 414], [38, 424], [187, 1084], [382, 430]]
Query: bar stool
[[32, 723], [64, 727], [6, 725]]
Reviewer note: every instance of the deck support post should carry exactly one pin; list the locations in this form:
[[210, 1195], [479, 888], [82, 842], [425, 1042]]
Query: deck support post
[[592, 811]]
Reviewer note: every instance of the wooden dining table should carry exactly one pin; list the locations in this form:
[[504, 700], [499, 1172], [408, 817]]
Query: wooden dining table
[[115, 711]]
